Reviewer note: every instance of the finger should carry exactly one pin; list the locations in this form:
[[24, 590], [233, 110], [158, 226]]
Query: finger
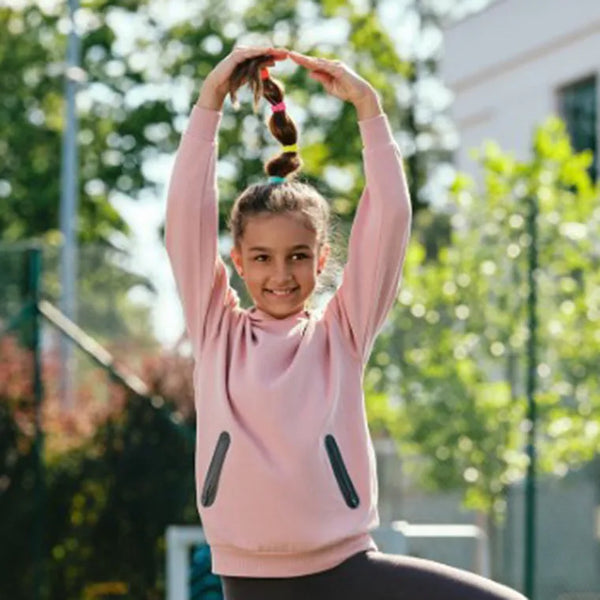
[[311, 59], [321, 77], [306, 61], [278, 53], [330, 66], [333, 67]]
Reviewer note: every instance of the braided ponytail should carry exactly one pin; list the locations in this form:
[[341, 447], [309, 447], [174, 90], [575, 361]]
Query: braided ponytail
[[280, 124]]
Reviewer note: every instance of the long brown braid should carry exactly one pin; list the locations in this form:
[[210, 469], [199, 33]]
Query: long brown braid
[[280, 124]]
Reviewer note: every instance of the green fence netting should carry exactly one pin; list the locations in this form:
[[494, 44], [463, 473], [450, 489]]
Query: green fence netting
[[96, 431]]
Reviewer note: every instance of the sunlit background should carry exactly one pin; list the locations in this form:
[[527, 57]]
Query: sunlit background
[[482, 391]]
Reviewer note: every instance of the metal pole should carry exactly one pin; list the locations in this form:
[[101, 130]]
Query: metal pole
[[412, 161], [35, 268], [68, 206], [530, 488]]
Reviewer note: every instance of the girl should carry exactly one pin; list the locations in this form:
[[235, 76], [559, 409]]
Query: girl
[[285, 467]]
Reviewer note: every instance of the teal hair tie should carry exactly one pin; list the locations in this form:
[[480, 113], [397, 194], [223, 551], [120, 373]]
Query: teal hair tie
[[276, 179]]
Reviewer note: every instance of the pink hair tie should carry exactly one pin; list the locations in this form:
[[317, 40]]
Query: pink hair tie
[[278, 107]]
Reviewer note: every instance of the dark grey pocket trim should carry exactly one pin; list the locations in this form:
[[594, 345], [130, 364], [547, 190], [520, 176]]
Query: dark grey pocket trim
[[341, 474], [211, 481]]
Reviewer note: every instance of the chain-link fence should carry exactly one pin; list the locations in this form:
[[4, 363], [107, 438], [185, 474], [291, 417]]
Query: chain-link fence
[[96, 435]]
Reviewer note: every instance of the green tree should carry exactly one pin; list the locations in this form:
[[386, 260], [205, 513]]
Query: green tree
[[117, 131], [113, 142], [115, 477], [453, 357]]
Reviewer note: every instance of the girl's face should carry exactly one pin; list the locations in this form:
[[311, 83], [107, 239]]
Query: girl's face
[[278, 261]]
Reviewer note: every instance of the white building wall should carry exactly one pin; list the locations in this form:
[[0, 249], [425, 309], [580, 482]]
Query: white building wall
[[505, 65]]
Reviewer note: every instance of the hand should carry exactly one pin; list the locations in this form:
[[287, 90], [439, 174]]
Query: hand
[[339, 80], [216, 85]]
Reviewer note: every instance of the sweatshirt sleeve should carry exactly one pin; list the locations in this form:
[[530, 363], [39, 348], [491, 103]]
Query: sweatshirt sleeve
[[191, 229], [378, 241]]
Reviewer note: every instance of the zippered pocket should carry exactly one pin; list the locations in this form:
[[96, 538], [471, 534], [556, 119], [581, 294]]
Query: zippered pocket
[[341, 474], [211, 481]]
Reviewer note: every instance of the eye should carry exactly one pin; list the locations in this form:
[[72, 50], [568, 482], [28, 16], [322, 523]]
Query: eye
[[300, 255]]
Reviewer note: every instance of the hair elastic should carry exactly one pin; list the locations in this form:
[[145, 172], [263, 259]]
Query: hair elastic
[[278, 107], [276, 179], [290, 148], [264, 73]]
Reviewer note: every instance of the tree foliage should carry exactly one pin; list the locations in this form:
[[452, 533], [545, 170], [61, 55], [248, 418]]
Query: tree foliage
[[454, 357], [113, 142], [116, 475]]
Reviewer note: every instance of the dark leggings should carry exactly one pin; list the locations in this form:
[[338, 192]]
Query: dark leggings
[[373, 575]]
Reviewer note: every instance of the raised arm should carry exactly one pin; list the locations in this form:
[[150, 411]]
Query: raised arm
[[191, 232], [381, 227], [378, 240], [191, 229]]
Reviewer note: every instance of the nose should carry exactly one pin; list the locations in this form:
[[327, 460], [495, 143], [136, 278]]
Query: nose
[[282, 273]]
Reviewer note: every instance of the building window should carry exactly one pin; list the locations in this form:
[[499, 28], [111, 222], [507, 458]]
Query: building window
[[578, 108]]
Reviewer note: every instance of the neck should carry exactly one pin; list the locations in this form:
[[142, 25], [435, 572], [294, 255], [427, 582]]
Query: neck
[[269, 315]]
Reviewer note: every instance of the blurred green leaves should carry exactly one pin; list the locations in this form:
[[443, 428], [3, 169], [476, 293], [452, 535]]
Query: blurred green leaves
[[458, 335]]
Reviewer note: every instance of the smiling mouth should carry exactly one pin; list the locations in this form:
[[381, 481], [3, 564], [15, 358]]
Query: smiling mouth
[[282, 293]]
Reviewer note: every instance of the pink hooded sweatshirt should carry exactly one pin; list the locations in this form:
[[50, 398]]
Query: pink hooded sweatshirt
[[285, 467]]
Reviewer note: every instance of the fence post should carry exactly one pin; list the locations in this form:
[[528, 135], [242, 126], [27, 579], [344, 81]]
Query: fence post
[[34, 268]]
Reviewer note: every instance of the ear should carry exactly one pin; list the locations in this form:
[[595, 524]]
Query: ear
[[236, 257], [325, 250]]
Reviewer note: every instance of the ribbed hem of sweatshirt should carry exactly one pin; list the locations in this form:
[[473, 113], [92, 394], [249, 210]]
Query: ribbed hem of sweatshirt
[[204, 123], [375, 131], [227, 560]]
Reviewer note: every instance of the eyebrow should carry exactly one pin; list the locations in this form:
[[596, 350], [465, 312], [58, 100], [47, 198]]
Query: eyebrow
[[263, 249]]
